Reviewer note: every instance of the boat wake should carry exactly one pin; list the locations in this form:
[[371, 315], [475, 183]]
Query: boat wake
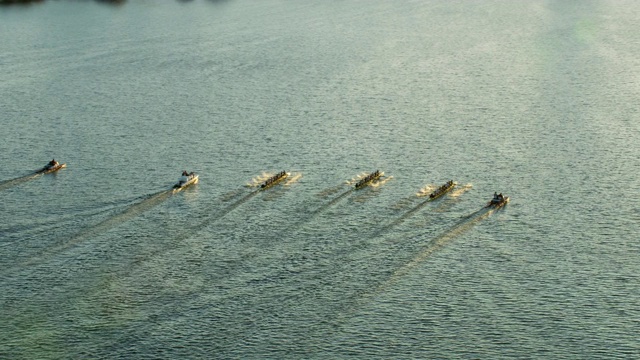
[[330, 191], [460, 190], [305, 219], [225, 211], [7, 184], [132, 211], [150, 255], [43, 225], [255, 183], [462, 226], [330, 203], [356, 179], [337, 199], [378, 183], [259, 180], [426, 190], [403, 217], [403, 203], [231, 195], [293, 178]]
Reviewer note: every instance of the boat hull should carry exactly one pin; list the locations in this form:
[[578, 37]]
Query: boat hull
[[362, 185], [52, 169], [274, 182], [194, 180], [438, 194], [498, 205]]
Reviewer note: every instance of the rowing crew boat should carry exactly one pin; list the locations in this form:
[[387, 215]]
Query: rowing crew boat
[[186, 180], [367, 180], [274, 180], [442, 190]]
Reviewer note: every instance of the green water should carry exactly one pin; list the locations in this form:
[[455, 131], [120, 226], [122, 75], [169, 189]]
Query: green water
[[537, 100]]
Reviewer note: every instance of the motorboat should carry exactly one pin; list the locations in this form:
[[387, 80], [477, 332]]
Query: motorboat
[[274, 179], [498, 201], [368, 179], [442, 190], [186, 179], [52, 166]]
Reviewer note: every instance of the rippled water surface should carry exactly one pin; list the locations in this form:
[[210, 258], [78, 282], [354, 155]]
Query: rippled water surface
[[537, 100]]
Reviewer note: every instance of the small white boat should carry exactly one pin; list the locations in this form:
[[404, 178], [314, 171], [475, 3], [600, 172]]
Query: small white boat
[[186, 180], [52, 166], [498, 201]]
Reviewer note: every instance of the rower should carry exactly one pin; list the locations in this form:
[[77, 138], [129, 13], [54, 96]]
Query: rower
[[185, 173], [53, 162]]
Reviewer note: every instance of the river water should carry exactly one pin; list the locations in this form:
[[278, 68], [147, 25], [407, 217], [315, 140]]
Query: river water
[[537, 100]]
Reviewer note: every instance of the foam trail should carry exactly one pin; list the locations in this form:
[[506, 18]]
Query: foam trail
[[293, 179], [356, 179], [127, 214], [6, 184], [460, 190], [260, 179], [381, 182], [426, 190]]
